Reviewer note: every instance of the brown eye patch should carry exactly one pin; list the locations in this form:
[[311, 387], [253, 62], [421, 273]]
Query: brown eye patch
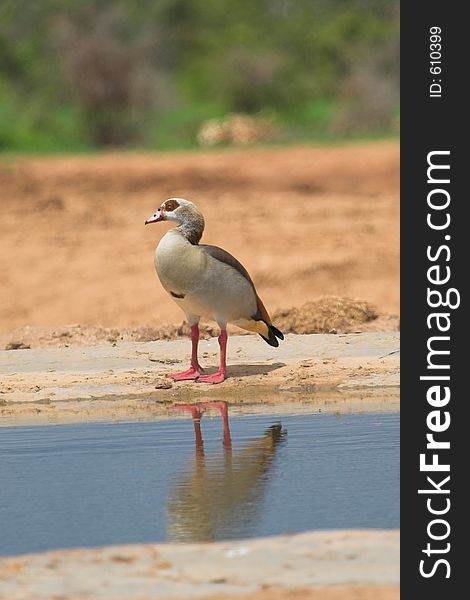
[[170, 205]]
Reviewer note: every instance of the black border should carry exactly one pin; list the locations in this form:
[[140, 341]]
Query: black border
[[429, 124]]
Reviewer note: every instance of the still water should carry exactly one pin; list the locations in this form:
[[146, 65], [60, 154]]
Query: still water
[[112, 483]]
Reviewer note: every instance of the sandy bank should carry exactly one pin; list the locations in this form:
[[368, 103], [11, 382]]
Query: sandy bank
[[358, 564], [130, 380]]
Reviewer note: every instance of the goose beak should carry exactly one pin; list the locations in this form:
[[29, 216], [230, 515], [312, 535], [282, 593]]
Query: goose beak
[[158, 216]]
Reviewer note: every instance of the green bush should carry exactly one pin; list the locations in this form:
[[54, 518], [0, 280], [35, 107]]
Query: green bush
[[84, 74]]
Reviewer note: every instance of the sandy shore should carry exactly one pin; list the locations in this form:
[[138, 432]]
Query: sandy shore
[[353, 564], [130, 380]]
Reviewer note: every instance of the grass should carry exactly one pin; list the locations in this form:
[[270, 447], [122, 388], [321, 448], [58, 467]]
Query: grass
[[63, 131]]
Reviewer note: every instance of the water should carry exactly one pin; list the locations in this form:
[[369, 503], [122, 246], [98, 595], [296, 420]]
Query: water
[[98, 484]]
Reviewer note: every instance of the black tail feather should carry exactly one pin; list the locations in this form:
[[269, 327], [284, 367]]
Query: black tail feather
[[274, 333]]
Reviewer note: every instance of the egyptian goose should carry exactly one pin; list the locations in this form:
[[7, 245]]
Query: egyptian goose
[[206, 281]]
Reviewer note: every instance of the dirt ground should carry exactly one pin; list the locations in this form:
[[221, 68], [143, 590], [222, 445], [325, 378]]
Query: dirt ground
[[305, 222], [322, 565], [337, 592]]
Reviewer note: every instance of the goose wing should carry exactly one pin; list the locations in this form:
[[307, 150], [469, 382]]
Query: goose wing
[[225, 257]]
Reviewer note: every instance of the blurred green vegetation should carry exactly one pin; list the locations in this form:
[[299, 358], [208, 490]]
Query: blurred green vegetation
[[77, 75]]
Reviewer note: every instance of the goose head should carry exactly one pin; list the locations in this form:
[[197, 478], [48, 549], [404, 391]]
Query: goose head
[[184, 213]]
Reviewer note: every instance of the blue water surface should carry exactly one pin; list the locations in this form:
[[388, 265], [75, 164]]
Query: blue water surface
[[111, 483]]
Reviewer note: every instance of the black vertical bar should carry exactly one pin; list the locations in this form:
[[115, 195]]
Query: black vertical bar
[[433, 119]]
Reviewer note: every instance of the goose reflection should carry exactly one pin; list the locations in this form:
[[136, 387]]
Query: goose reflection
[[220, 497]]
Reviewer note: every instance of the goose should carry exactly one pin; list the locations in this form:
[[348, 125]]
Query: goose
[[206, 281]]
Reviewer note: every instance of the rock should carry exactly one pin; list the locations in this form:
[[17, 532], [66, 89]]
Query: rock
[[163, 384], [17, 346]]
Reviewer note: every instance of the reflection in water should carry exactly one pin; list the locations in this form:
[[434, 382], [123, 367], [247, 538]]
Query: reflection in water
[[218, 497], [95, 484]]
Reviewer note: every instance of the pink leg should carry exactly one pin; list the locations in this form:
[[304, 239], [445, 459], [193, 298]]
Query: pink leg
[[222, 372], [196, 410], [196, 413], [195, 369], [223, 408]]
